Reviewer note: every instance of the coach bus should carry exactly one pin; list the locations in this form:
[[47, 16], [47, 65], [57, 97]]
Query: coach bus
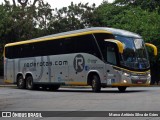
[[97, 57]]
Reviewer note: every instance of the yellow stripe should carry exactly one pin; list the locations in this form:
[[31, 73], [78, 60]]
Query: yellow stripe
[[8, 81], [119, 44], [58, 37], [76, 83], [131, 70]]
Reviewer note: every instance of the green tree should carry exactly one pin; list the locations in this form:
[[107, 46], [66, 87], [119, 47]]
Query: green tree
[[134, 19], [73, 17], [23, 21], [151, 5], [105, 14]]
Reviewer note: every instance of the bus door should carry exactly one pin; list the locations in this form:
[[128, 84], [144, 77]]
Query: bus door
[[111, 60]]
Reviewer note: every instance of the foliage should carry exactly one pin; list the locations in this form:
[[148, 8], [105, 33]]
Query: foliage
[[22, 22], [106, 13], [73, 17], [151, 5]]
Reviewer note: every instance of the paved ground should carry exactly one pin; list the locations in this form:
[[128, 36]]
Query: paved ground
[[81, 99]]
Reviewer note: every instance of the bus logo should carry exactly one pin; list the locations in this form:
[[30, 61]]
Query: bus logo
[[79, 63]]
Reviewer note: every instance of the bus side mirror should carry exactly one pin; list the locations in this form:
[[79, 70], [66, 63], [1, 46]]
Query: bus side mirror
[[118, 43], [153, 47]]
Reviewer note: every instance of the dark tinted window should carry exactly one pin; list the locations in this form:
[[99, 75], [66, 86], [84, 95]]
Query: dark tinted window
[[8, 52], [86, 44], [83, 44], [100, 37]]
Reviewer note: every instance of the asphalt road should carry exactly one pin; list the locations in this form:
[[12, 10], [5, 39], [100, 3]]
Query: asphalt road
[[81, 99]]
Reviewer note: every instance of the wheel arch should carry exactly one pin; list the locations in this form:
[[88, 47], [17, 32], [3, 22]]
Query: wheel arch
[[18, 75], [28, 74], [89, 76]]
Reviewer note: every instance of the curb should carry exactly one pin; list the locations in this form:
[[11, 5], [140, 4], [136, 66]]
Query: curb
[[7, 85]]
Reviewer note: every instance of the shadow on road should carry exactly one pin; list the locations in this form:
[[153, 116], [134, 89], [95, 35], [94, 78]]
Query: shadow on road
[[85, 90], [103, 91]]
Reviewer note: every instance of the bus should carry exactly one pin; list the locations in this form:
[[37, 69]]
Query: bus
[[98, 57]]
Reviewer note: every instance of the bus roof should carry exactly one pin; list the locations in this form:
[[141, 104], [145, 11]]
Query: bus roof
[[113, 31]]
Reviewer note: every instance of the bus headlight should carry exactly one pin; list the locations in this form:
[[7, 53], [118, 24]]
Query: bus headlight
[[126, 74], [149, 75]]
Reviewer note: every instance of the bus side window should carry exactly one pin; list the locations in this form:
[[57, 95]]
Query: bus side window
[[9, 52], [17, 51], [68, 46], [86, 44]]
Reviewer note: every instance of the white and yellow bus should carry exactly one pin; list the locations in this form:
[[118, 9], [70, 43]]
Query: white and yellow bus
[[98, 57]]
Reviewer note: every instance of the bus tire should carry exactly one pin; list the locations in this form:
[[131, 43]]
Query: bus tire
[[21, 83], [29, 83], [96, 84], [54, 87], [122, 88]]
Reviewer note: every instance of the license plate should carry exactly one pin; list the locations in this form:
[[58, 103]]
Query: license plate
[[139, 82]]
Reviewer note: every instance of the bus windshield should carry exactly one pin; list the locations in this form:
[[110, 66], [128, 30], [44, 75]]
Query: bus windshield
[[134, 55]]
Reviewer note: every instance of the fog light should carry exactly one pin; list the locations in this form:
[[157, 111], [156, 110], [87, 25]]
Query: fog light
[[149, 82], [124, 81]]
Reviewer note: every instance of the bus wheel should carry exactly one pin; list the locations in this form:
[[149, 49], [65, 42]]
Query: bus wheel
[[122, 89], [29, 83], [96, 85], [21, 84], [54, 87]]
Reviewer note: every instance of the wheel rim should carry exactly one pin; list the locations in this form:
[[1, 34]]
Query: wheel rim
[[20, 82], [29, 83], [93, 83]]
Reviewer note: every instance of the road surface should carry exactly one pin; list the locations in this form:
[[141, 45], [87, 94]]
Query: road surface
[[81, 99]]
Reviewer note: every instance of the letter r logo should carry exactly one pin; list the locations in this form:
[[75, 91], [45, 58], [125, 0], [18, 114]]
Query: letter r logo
[[79, 63]]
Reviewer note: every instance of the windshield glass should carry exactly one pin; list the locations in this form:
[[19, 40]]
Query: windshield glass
[[134, 55]]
